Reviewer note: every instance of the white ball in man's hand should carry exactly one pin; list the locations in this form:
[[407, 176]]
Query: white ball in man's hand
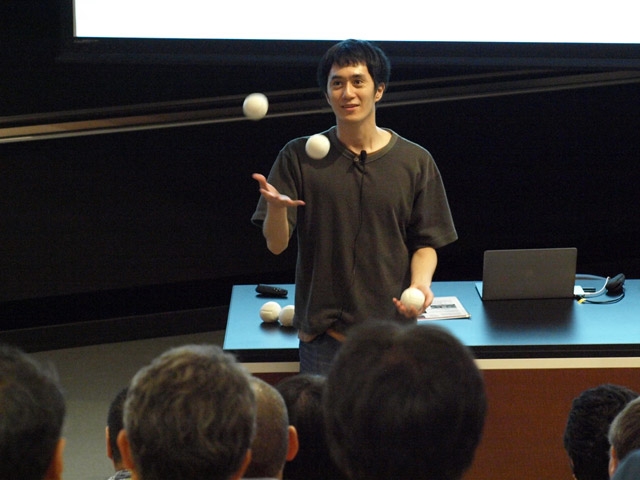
[[413, 297]]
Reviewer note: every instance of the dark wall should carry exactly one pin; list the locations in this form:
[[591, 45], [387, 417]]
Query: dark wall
[[127, 223]]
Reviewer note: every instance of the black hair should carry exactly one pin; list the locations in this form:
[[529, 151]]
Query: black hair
[[115, 422], [33, 411], [403, 402], [302, 394], [585, 435], [354, 52]]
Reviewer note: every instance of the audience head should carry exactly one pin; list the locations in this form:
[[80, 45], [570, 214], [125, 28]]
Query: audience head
[[115, 423], [302, 394], [32, 410], [585, 434], [275, 441], [624, 434], [189, 415], [404, 402]]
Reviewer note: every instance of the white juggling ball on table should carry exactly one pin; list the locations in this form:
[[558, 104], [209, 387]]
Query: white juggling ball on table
[[286, 315], [413, 297], [317, 146], [255, 106], [270, 311]]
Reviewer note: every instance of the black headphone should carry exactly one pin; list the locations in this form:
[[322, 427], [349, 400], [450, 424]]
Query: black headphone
[[615, 285]]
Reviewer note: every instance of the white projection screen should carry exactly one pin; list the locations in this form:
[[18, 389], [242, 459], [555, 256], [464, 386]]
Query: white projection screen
[[542, 21], [545, 31]]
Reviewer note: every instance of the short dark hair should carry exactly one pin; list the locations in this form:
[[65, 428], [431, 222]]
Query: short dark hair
[[271, 443], [404, 402], [115, 422], [585, 434], [302, 393], [190, 415], [32, 410], [354, 52]]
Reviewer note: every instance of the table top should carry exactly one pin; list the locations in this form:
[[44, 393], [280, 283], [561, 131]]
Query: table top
[[550, 328]]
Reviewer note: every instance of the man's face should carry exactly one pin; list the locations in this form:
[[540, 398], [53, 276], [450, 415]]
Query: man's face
[[352, 93]]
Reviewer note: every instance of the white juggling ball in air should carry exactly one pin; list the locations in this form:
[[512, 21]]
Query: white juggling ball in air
[[255, 106], [317, 146]]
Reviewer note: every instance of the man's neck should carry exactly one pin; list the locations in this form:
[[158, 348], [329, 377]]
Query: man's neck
[[358, 137]]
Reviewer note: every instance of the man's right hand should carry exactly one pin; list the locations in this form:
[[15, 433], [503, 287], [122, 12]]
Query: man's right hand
[[272, 196]]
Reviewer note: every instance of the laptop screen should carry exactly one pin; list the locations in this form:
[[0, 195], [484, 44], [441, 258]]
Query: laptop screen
[[528, 273]]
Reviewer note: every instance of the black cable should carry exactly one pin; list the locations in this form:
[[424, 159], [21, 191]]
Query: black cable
[[604, 302], [356, 165]]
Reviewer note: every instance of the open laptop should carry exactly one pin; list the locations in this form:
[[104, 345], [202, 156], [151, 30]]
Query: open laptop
[[528, 274]]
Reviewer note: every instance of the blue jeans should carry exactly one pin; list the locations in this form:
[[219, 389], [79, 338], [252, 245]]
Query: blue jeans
[[317, 355]]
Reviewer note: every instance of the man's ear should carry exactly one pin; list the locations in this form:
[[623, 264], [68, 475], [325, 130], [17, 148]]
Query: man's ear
[[125, 450], [109, 452], [54, 472], [243, 468], [294, 444], [613, 462]]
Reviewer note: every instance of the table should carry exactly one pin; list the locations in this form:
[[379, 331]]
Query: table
[[536, 356], [507, 329]]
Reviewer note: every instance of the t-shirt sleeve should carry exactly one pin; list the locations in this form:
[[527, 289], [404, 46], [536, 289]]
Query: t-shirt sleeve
[[431, 221]]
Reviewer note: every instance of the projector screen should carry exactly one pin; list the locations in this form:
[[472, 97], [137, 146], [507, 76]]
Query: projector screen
[[567, 33], [502, 33], [542, 21]]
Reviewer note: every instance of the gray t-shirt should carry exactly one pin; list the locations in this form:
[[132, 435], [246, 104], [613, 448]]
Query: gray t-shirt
[[358, 228]]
